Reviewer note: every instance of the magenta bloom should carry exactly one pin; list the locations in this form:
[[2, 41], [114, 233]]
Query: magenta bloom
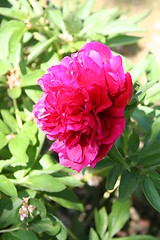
[[83, 103]]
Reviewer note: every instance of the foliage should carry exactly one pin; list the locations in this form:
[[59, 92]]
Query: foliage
[[34, 37]]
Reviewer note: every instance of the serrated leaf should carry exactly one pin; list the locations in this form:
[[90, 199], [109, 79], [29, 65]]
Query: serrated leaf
[[85, 9], [10, 120], [115, 155], [7, 187], [31, 78], [68, 199], [101, 221], [128, 183], [43, 182], [112, 176], [118, 217], [93, 235], [151, 192]]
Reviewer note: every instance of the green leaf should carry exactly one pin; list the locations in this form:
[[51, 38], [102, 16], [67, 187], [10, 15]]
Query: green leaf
[[38, 206], [129, 181], [155, 130], [29, 129], [4, 66], [62, 234], [10, 36], [155, 177], [119, 27], [119, 215], [151, 193], [152, 94], [68, 199], [18, 147], [3, 140], [56, 19], [153, 72], [68, 180], [85, 9], [101, 221], [9, 211], [10, 120], [12, 13], [7, 187], [150, 156], [142, 91], [121, 40], [140, 17], [52, 61], [39, 48], [94, 21], [24, 234], [31, 78], [43, 182], [46, 225], [139, 69], [73, 23], [112, 177], [115, 155], [93, 235], [133, 143], [34, 93], [142, 119], [138, 237], [47, 163], [14, 92]]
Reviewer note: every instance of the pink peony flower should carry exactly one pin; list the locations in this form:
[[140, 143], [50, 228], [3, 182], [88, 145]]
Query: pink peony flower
[[82, 107]]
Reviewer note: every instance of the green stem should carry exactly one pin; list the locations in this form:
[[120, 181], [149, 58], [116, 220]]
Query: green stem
[[19, 121], [9, 230], [71, 234]]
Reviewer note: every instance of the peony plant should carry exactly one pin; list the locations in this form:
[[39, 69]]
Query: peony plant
[[83, 105], [99, 119]]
